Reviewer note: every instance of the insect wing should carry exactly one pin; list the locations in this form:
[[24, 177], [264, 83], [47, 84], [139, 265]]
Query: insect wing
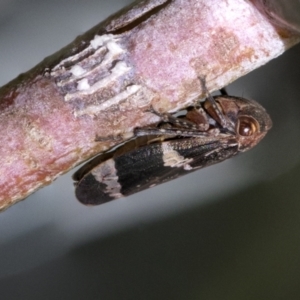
[[150, 165]]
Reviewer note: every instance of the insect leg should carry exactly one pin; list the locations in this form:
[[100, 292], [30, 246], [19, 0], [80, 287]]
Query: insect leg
[[213, 103], [168, 118]]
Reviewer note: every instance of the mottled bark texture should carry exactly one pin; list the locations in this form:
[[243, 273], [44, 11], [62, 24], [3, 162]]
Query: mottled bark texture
[[102, 84]]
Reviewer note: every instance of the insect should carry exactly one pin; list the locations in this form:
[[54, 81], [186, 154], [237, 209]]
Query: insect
[[214, 130]]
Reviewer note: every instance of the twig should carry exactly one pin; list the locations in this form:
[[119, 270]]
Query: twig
[[103, 84]]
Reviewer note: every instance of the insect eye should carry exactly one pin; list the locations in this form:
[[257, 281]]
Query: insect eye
[[247, 126]]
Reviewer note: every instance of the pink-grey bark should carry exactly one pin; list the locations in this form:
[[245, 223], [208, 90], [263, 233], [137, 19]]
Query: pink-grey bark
[[102, 85]]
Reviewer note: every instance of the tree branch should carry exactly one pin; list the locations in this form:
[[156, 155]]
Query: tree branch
[[102, 84]]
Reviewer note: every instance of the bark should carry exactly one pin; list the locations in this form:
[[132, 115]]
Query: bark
[[102, 84]]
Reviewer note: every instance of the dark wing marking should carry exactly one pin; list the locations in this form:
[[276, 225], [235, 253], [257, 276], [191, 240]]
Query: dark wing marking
[[142, 168]]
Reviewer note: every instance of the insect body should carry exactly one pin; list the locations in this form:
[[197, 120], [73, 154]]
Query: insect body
[[218, 129]]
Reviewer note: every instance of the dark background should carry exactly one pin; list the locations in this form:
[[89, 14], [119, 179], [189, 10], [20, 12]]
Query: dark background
[[231, 231]]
